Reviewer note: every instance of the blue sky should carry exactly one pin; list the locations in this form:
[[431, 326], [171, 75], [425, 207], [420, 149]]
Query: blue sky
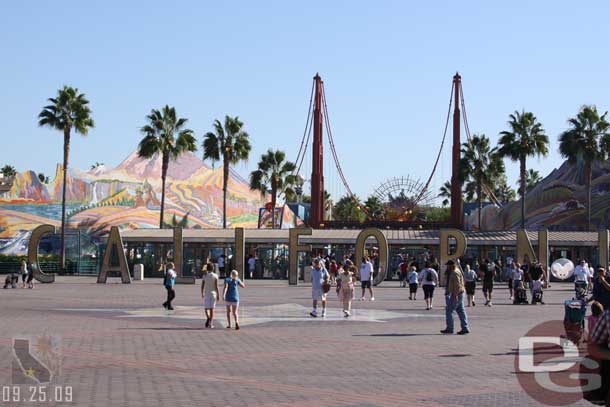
[[387, 68]]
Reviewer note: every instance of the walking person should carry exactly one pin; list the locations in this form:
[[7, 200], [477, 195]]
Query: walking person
[[488, 273], [221, 265], [169, 281], [231, 296], [454, 299], [428, 279], [413, 281], [346, 291], [24, 273], [210, 294], [470, 284], [536, 274], [334, 271], [319, 276], [366, 277], [581, 276], [30, 280], [517, 276], [404, 272], [601, 288], [512, 267], [251, 266]]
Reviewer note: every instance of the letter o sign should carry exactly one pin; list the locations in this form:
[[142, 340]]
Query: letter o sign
[[383, 251]]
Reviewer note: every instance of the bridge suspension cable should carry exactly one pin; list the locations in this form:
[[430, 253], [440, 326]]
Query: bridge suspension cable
[[489, 191], [306, 135], [440, 150]]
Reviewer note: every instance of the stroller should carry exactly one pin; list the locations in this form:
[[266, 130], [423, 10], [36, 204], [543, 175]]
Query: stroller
[[520, 294], [11, 281], [574, 319]]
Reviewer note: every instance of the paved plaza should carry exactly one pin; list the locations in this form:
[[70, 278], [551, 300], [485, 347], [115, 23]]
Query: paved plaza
[[118, 347]]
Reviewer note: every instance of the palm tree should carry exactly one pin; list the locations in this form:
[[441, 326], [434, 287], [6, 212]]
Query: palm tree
[[165, 135], [230, 144], [587, 141], [8, 171], [532, 177], [481, 165], [348, 209], [274, 175], [525, 139], [374, 207], [68, 111], [503, 191], [445, 193]]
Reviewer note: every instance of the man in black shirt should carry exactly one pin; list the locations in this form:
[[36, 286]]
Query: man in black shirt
[[487, 272]]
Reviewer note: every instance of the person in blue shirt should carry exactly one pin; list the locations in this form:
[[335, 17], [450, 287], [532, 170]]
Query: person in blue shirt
[[231, 297]]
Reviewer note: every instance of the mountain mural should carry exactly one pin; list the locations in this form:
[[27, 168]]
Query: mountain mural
[[558, 202], [128, 196]]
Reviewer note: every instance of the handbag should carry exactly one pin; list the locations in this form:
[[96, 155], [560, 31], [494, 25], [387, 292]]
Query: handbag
[[326, 287]]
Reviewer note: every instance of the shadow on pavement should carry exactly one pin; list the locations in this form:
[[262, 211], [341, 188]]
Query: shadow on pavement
[[392, 335], [178, 328]]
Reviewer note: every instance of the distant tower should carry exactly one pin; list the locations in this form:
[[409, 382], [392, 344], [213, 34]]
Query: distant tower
[[316, 215], [457, 210]]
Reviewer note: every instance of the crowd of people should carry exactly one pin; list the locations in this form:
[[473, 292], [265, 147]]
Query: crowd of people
[[460, 287], [487, 272]]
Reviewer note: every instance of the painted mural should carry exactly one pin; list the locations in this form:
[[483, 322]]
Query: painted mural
[[127, 196], [558, 202]]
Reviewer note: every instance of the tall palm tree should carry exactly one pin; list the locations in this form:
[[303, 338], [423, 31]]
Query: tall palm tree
[[275, 175], [165, 135], [481, 165], [68, 111], [231, 144], [587, 141], [526, 138]]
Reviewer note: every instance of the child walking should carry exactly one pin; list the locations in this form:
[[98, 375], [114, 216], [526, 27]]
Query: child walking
[[346, 291], [231, 296]]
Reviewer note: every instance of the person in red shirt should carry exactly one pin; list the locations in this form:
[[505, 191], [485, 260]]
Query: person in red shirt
[[333, 269], [404, 271]]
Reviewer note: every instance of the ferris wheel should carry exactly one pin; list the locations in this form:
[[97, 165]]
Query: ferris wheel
[[403, 192]]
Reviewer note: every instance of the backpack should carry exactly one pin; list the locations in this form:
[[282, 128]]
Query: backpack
[[167, 280], [429, 276]]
